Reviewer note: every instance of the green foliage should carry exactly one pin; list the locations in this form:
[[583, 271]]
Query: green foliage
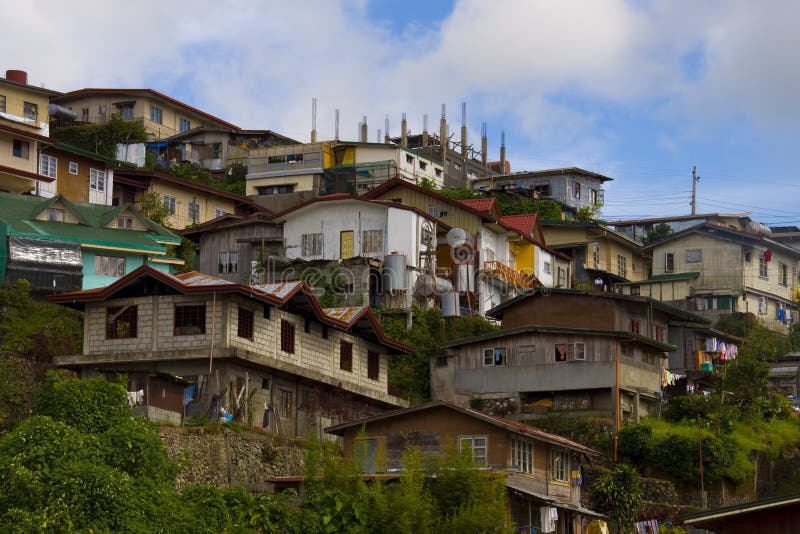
[[737, 324], [594, 432], [132, 446], [87, 405], [511, 204], [656, 233], [102, 138], [687, 407], [411, 372], [152, 206], [636, 444], [17, 384], [619, 494], [586, 214], [460, 194]]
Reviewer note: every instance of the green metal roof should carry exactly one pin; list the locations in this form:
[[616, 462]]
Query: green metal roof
[[664, 278], [664, 347], [89, 154]]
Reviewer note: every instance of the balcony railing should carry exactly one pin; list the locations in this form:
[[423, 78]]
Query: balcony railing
[[512, 276]]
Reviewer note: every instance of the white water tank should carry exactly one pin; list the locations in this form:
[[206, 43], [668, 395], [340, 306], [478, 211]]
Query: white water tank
[[757, 228], [450, 305], [458, 237], [394, 270], [465, 281], [428, 285]]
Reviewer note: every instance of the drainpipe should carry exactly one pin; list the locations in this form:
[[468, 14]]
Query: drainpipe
[[616, 401]]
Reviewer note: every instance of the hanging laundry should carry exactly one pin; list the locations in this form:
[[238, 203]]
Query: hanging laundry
[[767, 255], [781, 314], [647, 527], [575, 475], [597, 526], [546, 518]]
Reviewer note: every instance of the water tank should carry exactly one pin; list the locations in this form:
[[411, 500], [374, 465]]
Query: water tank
[[394, 269], [19, 76], [428, 285], [756, 228], [466, 278], [450, 307], [458, 237]]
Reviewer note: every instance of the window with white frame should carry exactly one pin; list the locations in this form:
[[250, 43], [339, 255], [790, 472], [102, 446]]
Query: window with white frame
[[228, 262], [372, 241], [73, 167], [97, 180], [522, 455], [109, 266], [55, 214], [47, 165], [219, 212], [184, 125], [762, 267], [622, 266], [170, 204], [559, 466], [548, 268], [494, 356], [576, 351], [593, 197], [782, 274], [669, 262], [475, 444], [576, 189], [312, 244], [125, 222], [31, 111], [193, 211]]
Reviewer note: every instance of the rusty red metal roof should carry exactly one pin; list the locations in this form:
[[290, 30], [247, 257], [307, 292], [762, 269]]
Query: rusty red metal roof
[[486, 205], [346, 315], [279, 290], [197, 279], [525, 223]]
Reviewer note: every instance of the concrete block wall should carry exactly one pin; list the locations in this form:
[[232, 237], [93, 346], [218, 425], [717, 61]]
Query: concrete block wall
[[95, 316]]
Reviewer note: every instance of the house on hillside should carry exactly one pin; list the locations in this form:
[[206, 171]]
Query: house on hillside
[[24, 131], [542, 470], [717, 271], [267, 354], [77, 174], [563, 351], [638, 228], [59, 245], [186, 202]]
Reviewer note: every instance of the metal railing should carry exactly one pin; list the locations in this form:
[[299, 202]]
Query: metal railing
[[510, 275]]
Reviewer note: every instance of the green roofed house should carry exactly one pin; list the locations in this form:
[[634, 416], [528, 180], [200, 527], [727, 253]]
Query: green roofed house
[[59, 245]]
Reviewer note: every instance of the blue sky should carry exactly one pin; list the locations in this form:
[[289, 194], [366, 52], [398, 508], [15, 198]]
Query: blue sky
[[640, 91]]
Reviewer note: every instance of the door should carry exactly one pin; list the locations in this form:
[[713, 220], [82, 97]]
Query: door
[[346, 244]]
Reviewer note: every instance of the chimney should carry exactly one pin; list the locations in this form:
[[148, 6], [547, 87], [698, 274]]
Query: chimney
[[503, 152], [464, 131], [425, 130], [19, 76], [386, 138], [364, 130], [484, 146], [313, 120], [443, 137], [404, 132], [336, 125]]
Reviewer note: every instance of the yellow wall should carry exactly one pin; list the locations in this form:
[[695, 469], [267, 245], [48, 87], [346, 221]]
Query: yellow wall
[[608, 247], [208, 204], [15, 105], [525, 256], [7, 158]]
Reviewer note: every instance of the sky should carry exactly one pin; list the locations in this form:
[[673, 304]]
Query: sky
[[639, 91]]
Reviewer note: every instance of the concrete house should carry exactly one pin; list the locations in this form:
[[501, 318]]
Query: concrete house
[[384, 252], [268, 354], [186, 202], [571, 187], [602, 257], [24, 131], [504, 259], [563, 351], [637, 228], [77, 174], [716, 271], [59, 245], [542, 470]]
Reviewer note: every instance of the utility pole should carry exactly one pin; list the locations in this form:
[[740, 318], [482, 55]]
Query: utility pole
[[695, 179]]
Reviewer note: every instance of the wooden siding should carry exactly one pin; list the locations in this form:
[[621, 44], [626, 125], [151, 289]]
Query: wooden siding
[[226, 240]]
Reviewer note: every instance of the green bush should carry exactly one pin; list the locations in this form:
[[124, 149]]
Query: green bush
[[132, 445], [636, 444]]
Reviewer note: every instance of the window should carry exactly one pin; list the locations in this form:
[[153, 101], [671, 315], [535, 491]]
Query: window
[[30, 111], [307, 325], [457, 166], [2, 104], [55, 214], [593, 197], [193, 211], [576, 351], [190, 319], [312, 244], [126, 110], [441, 361], [635, 290], [216, 150], [73, 167], [669, 262], [97, 180], [346, 356], [325, 332], [125, 222], [762, 267], [626, 349], [156, 115], [543, 189], [287, 336], [85, 114], [285, 402], [184, 125], [372, 241], [762, 305], [649, 358], [170, 204], [409, 159], [494, 356], [267, 312], [548, 268], [436, 211], [636, 326], [622, 266], [121, 322], [476, 445], [265, 383], [109, 266], [559, 466], [423, 165], [21, 149], [438, 172], [694, 255], [101, 110], [659, 333], [522, 455], [576, 189], [245, 324], [562, 277], [47, 165], [560, 352], [218, 212], [782, 274], [228, 262], [373, 365]]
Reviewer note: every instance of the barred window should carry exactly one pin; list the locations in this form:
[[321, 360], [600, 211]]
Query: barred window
[[109, 266], [287, 336], [312, 244], [228, 262], [245, 325], [121, 322], [346, 356], [373, 365], [372, 241], [190, 319]]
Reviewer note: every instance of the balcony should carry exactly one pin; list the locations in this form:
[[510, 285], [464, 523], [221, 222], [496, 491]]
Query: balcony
[[503, 272]]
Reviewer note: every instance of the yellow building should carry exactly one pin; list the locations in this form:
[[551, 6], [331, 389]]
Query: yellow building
[[161, 115], [186, 202], [24, 130]]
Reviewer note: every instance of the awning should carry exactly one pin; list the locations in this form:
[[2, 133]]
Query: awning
[[550, 501]]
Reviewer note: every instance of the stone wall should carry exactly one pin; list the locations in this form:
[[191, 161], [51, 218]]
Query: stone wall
[[226, 458]]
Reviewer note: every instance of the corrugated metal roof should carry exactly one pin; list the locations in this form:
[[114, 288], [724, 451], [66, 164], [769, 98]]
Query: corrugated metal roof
[[279, 290], [197, 279], [345, 315], [480, 204], [524, 223]]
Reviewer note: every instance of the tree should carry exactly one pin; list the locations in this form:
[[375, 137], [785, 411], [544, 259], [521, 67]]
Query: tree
[[656, 233], [152, 206], [103, 138], [619, 494]]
